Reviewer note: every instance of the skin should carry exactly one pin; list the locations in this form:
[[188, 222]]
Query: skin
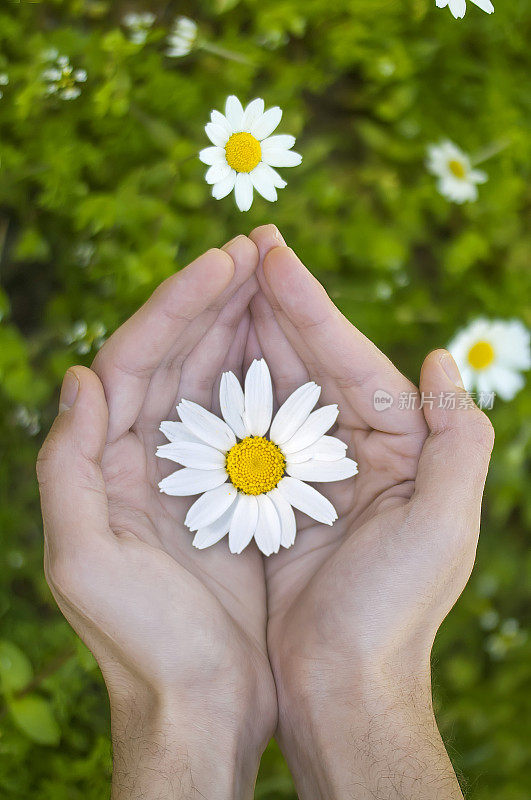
[[203, 653]]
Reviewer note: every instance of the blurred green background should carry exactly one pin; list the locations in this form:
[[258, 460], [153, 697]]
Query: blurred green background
[[103, 196]]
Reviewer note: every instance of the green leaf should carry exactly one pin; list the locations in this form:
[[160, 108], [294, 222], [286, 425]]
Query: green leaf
[[15, 668], [34, 716]]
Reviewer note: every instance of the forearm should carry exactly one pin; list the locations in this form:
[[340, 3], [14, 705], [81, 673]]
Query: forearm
[[379, 739], [168, 753]]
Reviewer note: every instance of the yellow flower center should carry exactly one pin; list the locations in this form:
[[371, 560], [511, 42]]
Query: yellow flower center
[[243, 152], [457, 168], [481, 355], [255, 465]]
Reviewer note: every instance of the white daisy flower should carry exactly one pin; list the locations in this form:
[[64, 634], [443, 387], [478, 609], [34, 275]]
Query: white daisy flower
[[62, 79], [249, 484], [245, 153], [491, 354], [138, 25], [182, 37], [458, 7], [4, 80], [457, 180]]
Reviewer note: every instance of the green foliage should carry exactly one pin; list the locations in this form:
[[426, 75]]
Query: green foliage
[[101, 197]]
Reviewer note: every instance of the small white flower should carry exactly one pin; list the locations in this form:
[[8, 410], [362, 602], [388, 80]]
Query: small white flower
[[182, 38], [4, 80], [491, 354], [458, 7], [138, 25], [457, 180], [61, 78], [249, 484], [245, 153]]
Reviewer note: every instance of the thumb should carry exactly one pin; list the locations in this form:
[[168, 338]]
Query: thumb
[[73, 495], [455, 458]]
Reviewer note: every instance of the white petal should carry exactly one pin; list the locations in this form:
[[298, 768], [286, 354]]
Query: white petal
[[274, 177], [484, 5], [441, 3], [505, 382], [243, 190], [267, 533], [190, 454], [209, 535], [458, 8], [327, 448], [266, 124], [188, 481], [262, 182], [217, 173], [288, 526], [224, 187], [282, 158], [323, 471], [293, 412], [234, 112], [243, 523], [210, 506], [212, 155], [219, 119], [216, 134], [310, 431], [253, 111], [308, 500], [177, 432], [258, 399], [232, 403], [478, 176], [282, 142], [206, 426]]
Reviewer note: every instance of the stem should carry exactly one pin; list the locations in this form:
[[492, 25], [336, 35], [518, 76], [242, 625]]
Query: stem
[[490, 151], [220, 51]]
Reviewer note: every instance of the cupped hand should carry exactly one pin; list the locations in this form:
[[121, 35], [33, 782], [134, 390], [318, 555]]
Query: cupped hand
[[163, 619], [366, 596]]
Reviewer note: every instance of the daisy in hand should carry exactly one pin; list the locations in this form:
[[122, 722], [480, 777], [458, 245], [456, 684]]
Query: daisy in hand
[[249, 484], [491, 354], [244, 152], [458, 7], [457, 180]]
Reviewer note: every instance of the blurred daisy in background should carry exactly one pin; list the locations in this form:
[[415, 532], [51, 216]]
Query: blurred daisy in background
[[139, 25], [491, 355], [244, 152], [458, 7], [457, 180], [249, 484], [182, 38], [4, 80], [61, 78]]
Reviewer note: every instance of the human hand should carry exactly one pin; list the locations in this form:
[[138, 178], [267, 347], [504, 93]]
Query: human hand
[[179, 634], [354, 609]]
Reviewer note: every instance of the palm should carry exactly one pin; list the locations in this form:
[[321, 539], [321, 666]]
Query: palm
[[331, 588], [215, 606]]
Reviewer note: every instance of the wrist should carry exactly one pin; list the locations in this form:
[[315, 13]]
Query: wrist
[[171, 748], [364, 735]]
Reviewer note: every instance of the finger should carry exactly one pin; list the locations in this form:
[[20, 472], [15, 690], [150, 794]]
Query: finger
[[172, 377], [127, 361], [347, 356], [203, 366], [287, 369], [73, 496], [455, 458], [234, 358]]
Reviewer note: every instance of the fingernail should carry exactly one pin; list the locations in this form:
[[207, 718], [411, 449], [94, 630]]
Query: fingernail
[[69, 391], [451, 370], [228, 244], [278, 236]]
